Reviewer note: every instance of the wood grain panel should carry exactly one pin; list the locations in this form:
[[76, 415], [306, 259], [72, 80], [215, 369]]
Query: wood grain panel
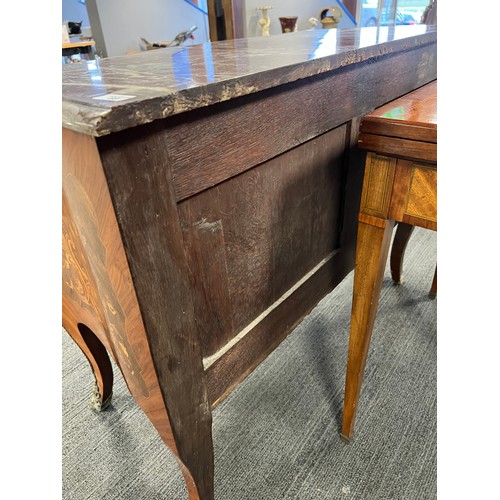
[[134, 163], [377, 185], [95, 271], [412, 116], [420, 222], [232, 368], [399, 148], [254, 236], [424, 191], [97, 284], [305, 221], [400, 190], [210, 145], [399, 130], [372, 221], [204, 240], [422, 201]]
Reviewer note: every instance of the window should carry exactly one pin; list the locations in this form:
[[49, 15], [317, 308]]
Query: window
[[391, 12]]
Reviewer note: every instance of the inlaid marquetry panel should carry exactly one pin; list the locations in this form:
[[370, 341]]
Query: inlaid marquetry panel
[[377, 185], [421, 201]]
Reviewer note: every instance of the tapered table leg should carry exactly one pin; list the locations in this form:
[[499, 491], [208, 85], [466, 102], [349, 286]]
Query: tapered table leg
[[374, 237]]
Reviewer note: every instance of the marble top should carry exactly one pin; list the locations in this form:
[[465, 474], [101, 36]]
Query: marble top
[[116, 93]]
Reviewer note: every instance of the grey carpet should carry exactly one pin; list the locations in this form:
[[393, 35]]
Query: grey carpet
[[277, 435]]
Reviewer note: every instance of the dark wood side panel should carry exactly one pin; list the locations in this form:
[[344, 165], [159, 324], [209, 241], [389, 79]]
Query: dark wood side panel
[[204, 240], [237, 363], [212, 144], [254, 236], [229, 369], [134, 163], [98, 293]]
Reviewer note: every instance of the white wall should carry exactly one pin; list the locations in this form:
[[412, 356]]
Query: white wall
[[124, 22], [281, 8]]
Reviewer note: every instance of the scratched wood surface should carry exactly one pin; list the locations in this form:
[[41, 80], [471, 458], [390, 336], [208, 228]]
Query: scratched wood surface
[[250, 130], [253, 237], [134, 164]]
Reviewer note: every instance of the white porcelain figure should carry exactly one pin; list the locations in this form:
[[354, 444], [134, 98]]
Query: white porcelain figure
[[264, 21]]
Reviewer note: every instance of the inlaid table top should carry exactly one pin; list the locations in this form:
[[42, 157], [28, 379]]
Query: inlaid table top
[[413, 111], [412, 117]]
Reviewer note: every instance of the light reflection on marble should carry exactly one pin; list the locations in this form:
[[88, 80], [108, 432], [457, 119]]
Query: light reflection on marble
[[169, 81]]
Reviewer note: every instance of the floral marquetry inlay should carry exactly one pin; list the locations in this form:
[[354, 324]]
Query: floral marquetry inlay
[[86, 279]]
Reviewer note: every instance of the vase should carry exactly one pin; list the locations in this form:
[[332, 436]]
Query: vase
[[330, 17], [264, 21], [288, 24]]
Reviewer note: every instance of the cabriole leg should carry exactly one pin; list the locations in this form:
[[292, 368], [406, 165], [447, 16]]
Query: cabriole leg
[[401, 238], [98, 358]]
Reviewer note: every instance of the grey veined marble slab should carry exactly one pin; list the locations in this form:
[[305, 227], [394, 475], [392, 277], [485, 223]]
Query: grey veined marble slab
[[113, 94]]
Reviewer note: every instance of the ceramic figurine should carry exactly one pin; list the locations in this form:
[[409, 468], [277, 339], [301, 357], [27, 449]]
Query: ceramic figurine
[[176, 42], [315, 23], [264, 21]]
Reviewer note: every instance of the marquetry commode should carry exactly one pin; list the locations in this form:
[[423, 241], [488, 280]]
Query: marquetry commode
[[400, 185], [202, 219]]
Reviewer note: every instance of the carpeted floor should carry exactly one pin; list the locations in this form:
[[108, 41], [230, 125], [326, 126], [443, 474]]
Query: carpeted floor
[[277, 435]]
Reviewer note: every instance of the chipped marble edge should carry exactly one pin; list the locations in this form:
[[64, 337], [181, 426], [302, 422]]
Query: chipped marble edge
[[98, 121]]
